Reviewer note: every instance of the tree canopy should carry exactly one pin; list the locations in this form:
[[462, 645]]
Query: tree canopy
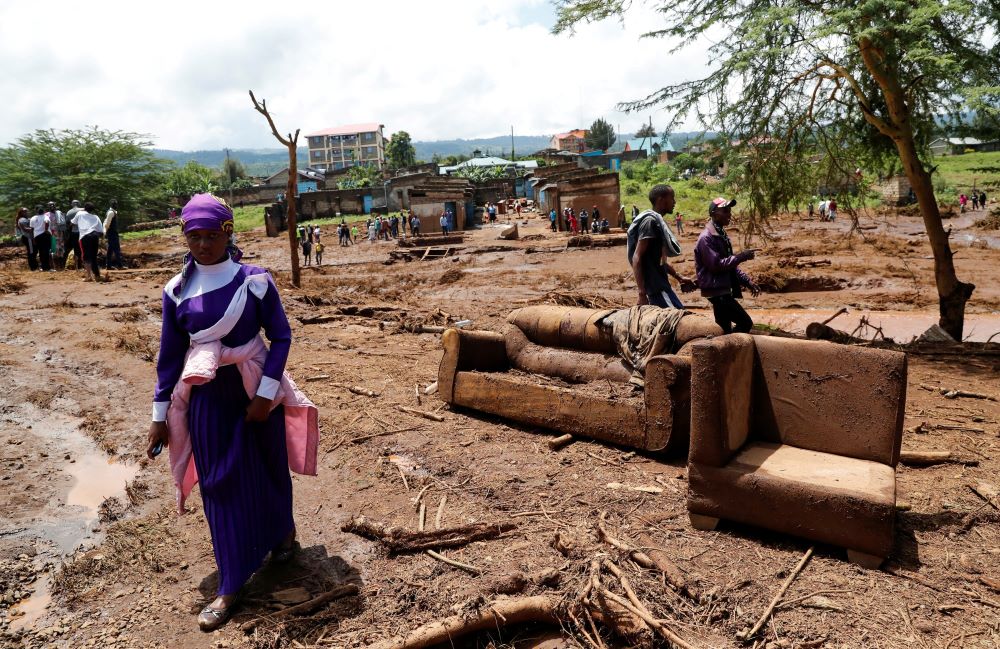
[[870, 77], [646, 130], [86, 164], [601, 135], [361, 176], [399, 152], [191, 178]]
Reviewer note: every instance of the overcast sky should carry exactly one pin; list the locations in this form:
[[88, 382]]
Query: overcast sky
[[439, 69]]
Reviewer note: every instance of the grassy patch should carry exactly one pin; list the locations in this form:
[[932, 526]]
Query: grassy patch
[[963, 171]]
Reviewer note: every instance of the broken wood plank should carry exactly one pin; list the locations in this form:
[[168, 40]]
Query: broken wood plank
[[433, 416], [398, 539], [318, 319]]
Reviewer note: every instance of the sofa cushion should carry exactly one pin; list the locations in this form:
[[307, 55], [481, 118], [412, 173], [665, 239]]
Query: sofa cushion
[[819, 496], [827, 397]]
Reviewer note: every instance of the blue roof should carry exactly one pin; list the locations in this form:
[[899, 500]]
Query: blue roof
[[642, 144]]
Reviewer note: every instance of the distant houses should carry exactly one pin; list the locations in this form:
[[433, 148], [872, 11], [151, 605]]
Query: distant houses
[[959, 145], [573, 141]]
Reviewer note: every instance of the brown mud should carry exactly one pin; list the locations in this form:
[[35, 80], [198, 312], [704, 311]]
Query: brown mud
[[87, 561]]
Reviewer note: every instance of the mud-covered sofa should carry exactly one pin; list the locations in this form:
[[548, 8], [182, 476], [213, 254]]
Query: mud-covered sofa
[[557, 368], [796, 436]]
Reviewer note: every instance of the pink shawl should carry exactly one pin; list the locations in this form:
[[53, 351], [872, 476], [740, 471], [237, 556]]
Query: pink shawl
[[200, 365]]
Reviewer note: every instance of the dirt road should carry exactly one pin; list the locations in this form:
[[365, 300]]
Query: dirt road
[[86, 562]]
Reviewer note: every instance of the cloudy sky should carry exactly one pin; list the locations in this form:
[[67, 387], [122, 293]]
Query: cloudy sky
[[439, 69]]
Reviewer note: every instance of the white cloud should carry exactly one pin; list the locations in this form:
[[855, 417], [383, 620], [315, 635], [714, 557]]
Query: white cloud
[[180, 70]]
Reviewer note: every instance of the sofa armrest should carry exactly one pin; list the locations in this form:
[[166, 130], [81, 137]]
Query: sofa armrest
[[668, 402], [721, 379], [482, 351]]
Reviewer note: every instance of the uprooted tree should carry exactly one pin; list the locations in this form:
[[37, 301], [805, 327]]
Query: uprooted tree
[[290, 142], [786, 66]]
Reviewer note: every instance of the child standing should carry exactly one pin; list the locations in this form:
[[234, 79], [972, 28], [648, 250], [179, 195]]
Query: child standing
[[319, 254]]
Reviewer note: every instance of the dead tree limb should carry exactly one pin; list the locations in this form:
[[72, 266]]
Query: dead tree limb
[[291, 143], [398, 539], [305, 607], [777, 598], [987, 492], [502, 612], [929, 458]]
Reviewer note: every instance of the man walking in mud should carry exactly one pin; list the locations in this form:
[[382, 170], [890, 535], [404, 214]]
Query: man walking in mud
[[649, 243], [719, 276]]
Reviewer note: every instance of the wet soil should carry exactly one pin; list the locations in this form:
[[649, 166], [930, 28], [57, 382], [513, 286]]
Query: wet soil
[[86, 562]]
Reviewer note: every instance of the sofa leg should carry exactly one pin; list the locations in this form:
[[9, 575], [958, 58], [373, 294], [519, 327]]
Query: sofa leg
[[867, 561], [701, 522]]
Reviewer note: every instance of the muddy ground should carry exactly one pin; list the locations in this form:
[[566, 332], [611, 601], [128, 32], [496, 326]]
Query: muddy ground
[[87, 561]]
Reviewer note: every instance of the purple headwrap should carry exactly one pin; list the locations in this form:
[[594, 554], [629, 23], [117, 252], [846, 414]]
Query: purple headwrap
[[206, 212]]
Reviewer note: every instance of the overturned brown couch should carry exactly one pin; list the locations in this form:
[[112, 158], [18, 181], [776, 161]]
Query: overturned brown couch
[[797, 436], [555, 368]]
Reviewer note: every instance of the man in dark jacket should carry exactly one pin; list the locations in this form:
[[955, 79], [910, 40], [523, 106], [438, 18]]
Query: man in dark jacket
[[719, 276]]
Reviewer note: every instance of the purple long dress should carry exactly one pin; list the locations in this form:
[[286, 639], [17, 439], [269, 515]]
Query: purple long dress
[[242, 467]]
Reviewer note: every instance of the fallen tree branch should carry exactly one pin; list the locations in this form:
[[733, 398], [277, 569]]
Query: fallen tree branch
[[305, 607], [433, 416], [503, 612], [929, 458], [398, 539], [987, 492], [781, 591], [358, 440], [557, 443]]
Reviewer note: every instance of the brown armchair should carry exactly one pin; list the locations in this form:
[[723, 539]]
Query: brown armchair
[[797, 436]]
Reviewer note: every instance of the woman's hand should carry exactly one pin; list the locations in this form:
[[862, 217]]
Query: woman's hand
[[259, 409], [158, 435]]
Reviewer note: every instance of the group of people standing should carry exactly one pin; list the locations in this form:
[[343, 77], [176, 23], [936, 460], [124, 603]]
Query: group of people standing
[[587, 222], [310, 238], [54, 240], [978, 200]]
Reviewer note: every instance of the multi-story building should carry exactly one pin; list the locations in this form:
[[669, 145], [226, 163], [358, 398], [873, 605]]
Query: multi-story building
[[572, 141], [345, 146]]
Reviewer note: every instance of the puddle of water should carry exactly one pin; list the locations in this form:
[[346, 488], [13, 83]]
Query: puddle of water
[[97, 479], [902, 326], [31, 610]]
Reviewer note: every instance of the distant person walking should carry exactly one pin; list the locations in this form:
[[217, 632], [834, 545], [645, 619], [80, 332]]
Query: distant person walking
[[962, 201], [42, 238], [57, 227], [679, 223], [91, 229], [415, 225], [113, 259], [719, 276], [831, 210], [354, 233], [307, 249], [621, 216], [552, 218], [319, 253], [444, 223], [23, 234], [982, 199], [584, 221], [975, 200]]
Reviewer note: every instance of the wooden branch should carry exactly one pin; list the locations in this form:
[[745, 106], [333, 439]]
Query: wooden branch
[[557, 443], [358, 440], [781, 591], [987, 492], [398, 539], [305, 607], [261, 108], [433, 416], [930, 458], [502, 612], [643, 612]]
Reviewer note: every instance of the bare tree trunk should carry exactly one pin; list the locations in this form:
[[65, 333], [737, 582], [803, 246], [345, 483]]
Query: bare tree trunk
[[291, 142]]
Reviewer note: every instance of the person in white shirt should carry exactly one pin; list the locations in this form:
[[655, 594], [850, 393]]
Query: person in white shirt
[[57, 228], [43, 238], [91, 229]]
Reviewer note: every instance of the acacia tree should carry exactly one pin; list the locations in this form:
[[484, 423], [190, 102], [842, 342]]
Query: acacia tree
[[291, 142], [88, 164], [791, 65], [646, 130]]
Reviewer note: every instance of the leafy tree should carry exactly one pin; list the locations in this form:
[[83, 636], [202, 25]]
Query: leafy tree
[[232, 170], [399, 151], [601, 135], [192, 178], [787, 67], [86, 164], [360, 177], [481, 174], [646, 130]]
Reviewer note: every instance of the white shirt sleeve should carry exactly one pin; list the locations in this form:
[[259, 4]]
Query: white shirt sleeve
[[160, 410], [268, 387]]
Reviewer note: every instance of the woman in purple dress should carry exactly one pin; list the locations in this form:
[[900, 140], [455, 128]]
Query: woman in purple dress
[[238, 444]]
